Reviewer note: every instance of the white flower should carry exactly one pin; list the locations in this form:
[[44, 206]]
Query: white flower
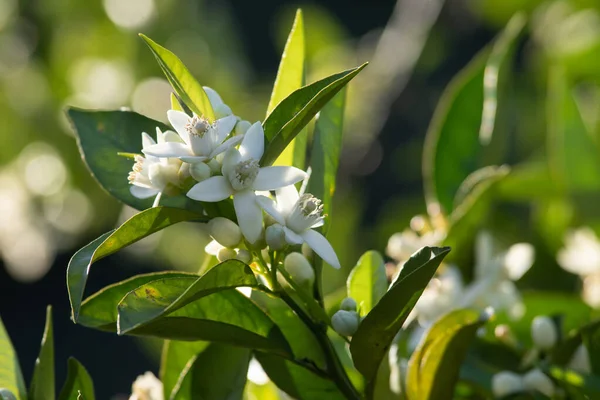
[[537, 380], [298, 214], [242, 176], [402, 245], [543, 332], [442, 295], [581, 254], [153, 175], [202, 140], [507, 382], [219, 107], [147, 387]]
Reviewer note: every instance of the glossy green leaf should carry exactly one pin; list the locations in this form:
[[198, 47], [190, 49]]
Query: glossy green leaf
[[573, 154], [100, 309], [176, 356], [591, 339], [528, 181], [326, 152], [42, 382], [584, 384], [11, 377], [175, 103], [563, 352], [79, 385], [136, 228], [296, 110], [434, 366], [165, 296], [452, 146], [185, 85], [218, 372], [376, 332], [367, 282]]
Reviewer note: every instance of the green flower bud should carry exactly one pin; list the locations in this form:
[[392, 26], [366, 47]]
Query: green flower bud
[[200, 171], [348, 304], [222, 110], [543, 332], [6, 394], [345, 322], [275, 237], [226, 254], [241, 127], [537, 380], [215, 166], [244, 256], [225, 232], [505, 383], [299, 269]]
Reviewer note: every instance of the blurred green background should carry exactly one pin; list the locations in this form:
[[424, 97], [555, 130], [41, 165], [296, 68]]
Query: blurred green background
[[55, 53]]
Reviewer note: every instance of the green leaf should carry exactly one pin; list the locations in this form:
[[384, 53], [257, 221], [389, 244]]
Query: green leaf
[[190, 91], [573, 154], [434, 367], [42, 382], [79, 385], [136, 228], [452, 146], [218, 372], [175, 358], [296, 110], [376, 332], [326, 152], [165, 296], [101, 136], [588, 385], [591, 339], [11, 377], [367, 282]]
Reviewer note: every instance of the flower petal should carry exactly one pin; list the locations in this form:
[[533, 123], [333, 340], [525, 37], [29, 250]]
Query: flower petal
[[292, 237], [213, 248], [213, 189], [224, 127], [270, 208], [142, 192], [249, 215], [193, 159], [225, 145], [253, 145], [321, 246], [319, 223], [230, 160], [271, 178], [213, 96], [179, 120], [287, 197], [168, 149], [147, 140]]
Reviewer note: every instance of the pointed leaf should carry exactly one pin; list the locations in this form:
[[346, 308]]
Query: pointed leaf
[[185, 85], [11, 377], [79, 385], [367, 282], [175, 358], [376, 332], [42, 383], [136, 228], [296, 110]]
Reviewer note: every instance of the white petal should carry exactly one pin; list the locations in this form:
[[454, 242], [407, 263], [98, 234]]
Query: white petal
[[287, 197], [321, 246], [213, 189], [213, 248], [292, 237], [178, 120], [147, 140], [249, 215], [225, 145], [253, 145], [230, 160], [271, 178], [193, 159], [168, 149], [160, 138], [270, 207], [142, 192], [319, 223], [224, 127], [213, 96]]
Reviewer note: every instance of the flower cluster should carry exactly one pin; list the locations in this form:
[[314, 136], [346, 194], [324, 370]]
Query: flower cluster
[[215, 161]]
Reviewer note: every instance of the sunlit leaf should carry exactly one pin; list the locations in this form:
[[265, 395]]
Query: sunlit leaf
[[584, 384], [79, 385], [11, 377], [367, 282], [176, 356], [42, 382]]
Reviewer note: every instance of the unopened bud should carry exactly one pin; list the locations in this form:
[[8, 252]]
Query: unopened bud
[[200, 171], [225, 231], [580, 361], [537, 380], [244, 256], [306, 251], [348, 304], [241, 127], [222, 110], [345, 322], [505, 383], [543, 332], [299, 269], [226, 254], [6, 394], [214, 166], [275, 237]]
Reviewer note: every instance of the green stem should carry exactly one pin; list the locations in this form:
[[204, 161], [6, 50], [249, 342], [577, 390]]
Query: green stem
[[334, 365]]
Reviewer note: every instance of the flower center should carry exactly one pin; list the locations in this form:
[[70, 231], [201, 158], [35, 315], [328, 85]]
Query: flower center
[[243, 174], [307, 211], [137, 168], [197, 126]]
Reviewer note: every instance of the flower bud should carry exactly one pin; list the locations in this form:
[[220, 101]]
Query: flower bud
[[6, 394], [200, 171], [348, 304], [244, 256], [225, 231], [543, 332], [580, 361], [215, 166], [275, 237], [537, 380], [505, 383], [306, 251], [241, 127], [222, 110], [226, 254], [345, 322], [299, 269]]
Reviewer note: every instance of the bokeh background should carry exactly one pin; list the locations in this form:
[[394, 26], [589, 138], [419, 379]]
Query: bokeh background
[[55, 53]]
